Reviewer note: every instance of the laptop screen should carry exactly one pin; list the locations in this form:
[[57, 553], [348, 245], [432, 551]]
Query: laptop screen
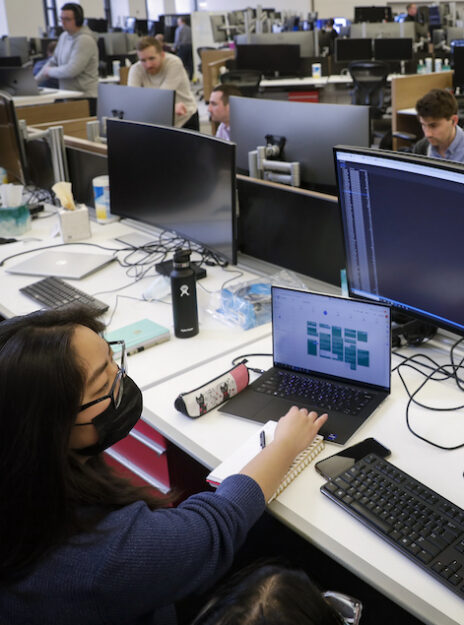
[[331, 335]]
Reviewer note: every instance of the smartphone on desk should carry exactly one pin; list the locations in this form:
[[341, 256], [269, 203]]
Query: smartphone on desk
[[338, 463]]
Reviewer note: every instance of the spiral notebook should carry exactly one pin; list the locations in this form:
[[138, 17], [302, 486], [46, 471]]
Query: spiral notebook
[[252, 446]]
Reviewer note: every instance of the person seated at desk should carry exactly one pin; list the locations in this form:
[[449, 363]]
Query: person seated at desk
[[328, 36], [411, 15], [273, 593], [75, 60], [81, 544], [219, 108], [162, 70], [51, 83], [437, 111]]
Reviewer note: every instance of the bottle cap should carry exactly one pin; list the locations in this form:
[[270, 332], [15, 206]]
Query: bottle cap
[[181, 258]]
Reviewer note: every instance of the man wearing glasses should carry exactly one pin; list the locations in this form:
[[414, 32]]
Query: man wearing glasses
[[75, 60]]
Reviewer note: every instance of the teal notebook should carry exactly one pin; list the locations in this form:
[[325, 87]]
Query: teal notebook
[[138, 336]]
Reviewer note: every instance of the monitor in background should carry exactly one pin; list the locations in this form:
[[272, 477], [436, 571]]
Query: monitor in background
[[98, 25], [304, 39], [137, 104], [292, 228], [10, 61], [12, 157], [373, 14], [457, 62], [271, 60], [15, 46], [18, 81], [393, 49], [130, 24], [347, 50], [396, 210], [83, 167], [311, 130], [176, 180]]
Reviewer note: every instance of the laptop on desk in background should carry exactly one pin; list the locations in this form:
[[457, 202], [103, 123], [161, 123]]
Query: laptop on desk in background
[[331, 354], [61, 264]]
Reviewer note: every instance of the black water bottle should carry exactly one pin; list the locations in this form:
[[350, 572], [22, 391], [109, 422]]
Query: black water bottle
[[184, 296]]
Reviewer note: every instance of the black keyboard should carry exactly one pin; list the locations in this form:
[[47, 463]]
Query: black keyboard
[[413, 518], [53, 292], [327, 395]]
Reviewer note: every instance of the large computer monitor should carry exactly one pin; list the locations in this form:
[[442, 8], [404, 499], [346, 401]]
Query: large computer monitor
[[393, 49], [269, 59], [403, 228], [12, 157], [174, 179], [373, 14], [275, 222], [137, 104], [304, 39], [83, 167], [310, 129], [347, 50]]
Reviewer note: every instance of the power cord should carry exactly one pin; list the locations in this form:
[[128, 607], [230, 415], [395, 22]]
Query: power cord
[[244, 359]]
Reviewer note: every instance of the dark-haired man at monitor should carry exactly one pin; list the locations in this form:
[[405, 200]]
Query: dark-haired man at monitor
[[75, 59], [162, 70], [437, 111], [219, 108]]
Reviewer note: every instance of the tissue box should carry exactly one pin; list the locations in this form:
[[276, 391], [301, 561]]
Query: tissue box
[[74, 224], [14, 220]]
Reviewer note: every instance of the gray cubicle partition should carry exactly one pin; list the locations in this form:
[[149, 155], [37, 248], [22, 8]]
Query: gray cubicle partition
[[305, 39], [395, 30]]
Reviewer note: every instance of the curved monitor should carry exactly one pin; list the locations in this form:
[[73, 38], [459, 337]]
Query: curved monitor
[[402, 225], [135, 104], [310, 129], [174, 179]]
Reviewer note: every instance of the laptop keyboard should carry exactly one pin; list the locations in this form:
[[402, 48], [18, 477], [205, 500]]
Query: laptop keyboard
[[53, 292], [326, 395], [413, 518]]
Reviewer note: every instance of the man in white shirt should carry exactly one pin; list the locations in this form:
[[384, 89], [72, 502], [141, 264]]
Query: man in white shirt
[[219, 108], [162, 70]]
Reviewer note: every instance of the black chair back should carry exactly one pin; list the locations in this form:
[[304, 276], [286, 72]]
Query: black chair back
[[370, 80]]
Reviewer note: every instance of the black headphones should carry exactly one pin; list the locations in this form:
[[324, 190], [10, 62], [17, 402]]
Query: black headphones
[[77, 10]]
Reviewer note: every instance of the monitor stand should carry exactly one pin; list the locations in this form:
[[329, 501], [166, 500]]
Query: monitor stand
[[166, 267]]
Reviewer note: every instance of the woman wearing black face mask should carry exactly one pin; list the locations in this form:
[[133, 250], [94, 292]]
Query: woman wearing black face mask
[[78, 544]]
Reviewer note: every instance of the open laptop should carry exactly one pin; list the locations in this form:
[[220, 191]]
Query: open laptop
[[18, 81], [331, 354], [61, 264]]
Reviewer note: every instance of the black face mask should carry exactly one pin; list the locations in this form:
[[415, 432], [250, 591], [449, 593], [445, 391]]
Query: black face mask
[[114, 424]]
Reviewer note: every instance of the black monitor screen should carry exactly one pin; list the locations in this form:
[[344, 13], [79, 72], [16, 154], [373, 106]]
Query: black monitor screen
[[174, 179], [373, 14], [386, 49], [269, 59], [353, 49], [457, 59], [12, 157], [403, 225], [310, 130], [276, 222], [83, 167], [136, 104]]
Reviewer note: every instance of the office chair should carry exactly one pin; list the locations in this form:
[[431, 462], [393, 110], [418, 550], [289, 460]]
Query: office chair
[[370, 85], [247, 80]]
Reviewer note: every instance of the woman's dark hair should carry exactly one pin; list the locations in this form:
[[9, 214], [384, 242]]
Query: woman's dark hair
[[43, 487], [268, 594]]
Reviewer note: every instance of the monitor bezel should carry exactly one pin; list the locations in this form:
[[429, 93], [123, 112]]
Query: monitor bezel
[[399, 157]]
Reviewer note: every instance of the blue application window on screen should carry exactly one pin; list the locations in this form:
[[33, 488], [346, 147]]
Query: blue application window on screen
[[331, 335]]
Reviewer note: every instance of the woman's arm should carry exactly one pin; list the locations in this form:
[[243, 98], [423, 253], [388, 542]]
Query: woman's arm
[[294, 432]]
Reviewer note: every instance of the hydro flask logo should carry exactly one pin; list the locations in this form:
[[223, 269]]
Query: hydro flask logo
[[184, 290]]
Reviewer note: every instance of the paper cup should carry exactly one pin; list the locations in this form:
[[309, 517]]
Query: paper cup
[[101, 194], [316, 70]]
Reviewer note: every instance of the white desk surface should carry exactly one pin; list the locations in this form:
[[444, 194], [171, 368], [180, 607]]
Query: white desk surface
[[309, 81], [161, 361], [46, 97], [410, 111], [109, 79], [211, 438]]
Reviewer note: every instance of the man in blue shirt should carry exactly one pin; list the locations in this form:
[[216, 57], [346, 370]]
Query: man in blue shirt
[[437, 111]]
